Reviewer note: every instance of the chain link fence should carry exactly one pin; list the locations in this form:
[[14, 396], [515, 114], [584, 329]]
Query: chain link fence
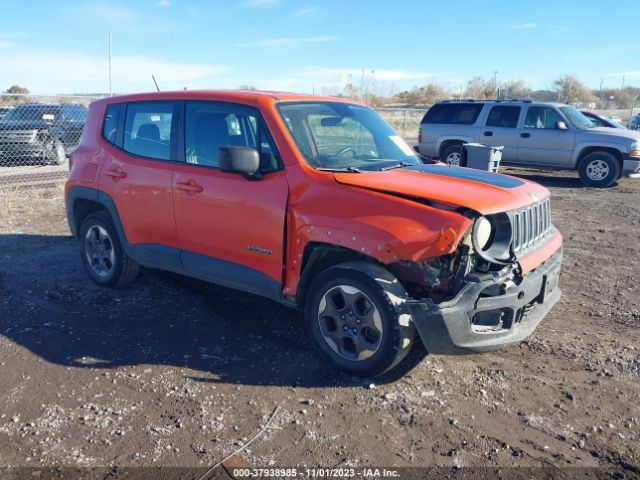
[[36, 134]]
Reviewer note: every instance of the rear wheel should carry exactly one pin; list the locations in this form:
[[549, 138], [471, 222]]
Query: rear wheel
[[353, 315], [102, 254], [453, 155], [599, 169]]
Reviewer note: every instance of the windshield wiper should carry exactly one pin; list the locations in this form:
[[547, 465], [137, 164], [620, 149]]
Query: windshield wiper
[[340, 169], [397, 165]]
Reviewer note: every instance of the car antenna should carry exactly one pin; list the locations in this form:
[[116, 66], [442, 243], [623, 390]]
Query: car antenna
[[154, 81]]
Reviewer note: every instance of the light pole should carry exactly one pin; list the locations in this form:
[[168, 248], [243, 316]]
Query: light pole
[[495, 82], [633, 105]]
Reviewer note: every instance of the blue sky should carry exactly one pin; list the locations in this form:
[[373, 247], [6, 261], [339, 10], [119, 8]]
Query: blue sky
[[305, 45]]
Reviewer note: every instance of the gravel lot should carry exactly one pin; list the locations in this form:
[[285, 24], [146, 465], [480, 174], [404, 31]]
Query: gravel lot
[[175, 372]]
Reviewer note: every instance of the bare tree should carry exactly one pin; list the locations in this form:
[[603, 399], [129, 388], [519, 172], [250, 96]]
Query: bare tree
[[17, 89], [572, 90]]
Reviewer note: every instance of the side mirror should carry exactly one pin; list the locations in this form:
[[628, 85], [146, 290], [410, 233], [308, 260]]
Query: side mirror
[[241, 160], [561, 126]]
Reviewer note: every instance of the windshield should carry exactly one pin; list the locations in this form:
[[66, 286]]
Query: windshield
[[342, 136], [576, 118], [27, 113]]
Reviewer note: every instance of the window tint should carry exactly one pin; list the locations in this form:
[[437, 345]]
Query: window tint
[[542, 117], [453, 113], [147, 129], [503, 116], [110, 124], [209, 126]]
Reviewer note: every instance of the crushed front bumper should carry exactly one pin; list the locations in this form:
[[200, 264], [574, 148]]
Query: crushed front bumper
[[490, 312]]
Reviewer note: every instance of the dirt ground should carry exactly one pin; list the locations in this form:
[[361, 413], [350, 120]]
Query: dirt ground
[[177, 373]]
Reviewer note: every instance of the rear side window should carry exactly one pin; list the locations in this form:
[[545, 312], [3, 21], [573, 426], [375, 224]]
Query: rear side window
[[503, 116], [210, 125], [453, 113], [110, 123], [148, 129]]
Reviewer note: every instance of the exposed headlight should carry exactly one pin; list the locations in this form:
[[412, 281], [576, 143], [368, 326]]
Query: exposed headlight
[[491, 237], [634, 149], [483, 230]]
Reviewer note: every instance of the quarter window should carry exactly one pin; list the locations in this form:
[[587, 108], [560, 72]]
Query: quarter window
[[453, 113], [110, 124], [503, 116], [148, 129], [542, 118], [210, 126]]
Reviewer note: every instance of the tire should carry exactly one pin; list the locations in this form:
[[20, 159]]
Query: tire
[[453, 155], [56, 154], [362, 331], [106, 263], [599, 169]]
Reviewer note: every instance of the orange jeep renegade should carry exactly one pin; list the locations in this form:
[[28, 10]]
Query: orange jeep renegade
[[318, 204]]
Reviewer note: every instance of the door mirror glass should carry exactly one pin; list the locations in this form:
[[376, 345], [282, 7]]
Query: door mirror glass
[[241, 160], [561, 126]]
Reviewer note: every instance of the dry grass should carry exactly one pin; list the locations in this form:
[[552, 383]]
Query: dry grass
[[32, 210]]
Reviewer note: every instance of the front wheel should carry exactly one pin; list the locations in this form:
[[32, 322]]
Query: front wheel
[[599, 169], [453, 155], [353, 315]]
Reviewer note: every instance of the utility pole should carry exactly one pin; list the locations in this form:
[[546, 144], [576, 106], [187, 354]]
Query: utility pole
[[600, 91], [622, 87], [362, 86], [110, 86], [495, 82]]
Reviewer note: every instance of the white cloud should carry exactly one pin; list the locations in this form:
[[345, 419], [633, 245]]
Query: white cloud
[[524, 26], [4, 44], [163, 3], [331, 74], [279, 42], [305, 12], [106, 12], [68, 72]]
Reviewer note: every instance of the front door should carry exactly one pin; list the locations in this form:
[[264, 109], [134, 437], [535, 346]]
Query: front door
[[541, 142], [231, 229]]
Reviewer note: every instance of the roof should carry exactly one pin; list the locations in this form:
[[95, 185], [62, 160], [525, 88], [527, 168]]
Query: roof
[[244, 96]]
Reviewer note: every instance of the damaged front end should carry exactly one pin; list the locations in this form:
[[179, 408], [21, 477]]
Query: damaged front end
[[478, 298]]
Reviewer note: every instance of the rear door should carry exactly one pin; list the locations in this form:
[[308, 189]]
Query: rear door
[[137, 173], [231, 228], [501, 129], [541, 142]]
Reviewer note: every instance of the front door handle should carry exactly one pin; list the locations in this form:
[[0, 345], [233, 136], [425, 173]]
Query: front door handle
[[525, 135], [116, 174], [488, 133], [190, 187]]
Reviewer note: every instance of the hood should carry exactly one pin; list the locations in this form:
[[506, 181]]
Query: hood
[[477, 190], [631, 135]]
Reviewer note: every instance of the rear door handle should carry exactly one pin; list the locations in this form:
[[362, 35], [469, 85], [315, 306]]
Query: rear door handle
[[525, 135], [190, 187], [488, 133], [116, 174]]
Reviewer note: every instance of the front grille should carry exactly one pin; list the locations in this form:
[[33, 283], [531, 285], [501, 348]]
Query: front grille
[[530, 225], [18, 136]]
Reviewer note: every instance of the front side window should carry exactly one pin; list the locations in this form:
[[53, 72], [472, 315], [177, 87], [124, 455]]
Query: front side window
[[210, 126], [503, 116], [542, 118], [148, 129], [337, 135]]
